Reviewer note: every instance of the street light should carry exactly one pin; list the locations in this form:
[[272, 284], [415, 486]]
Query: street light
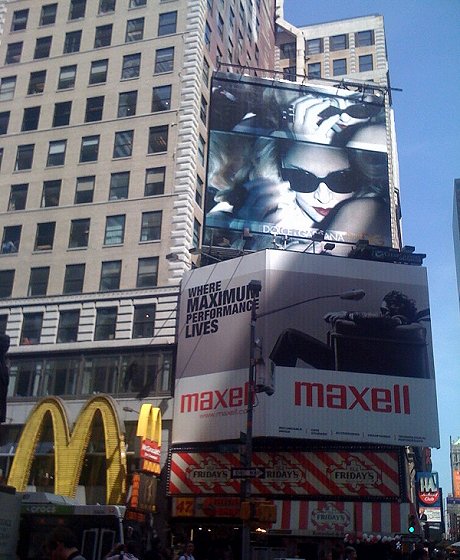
[[255, 287]]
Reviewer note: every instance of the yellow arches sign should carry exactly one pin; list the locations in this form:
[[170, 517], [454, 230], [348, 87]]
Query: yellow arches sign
[[70, 448]]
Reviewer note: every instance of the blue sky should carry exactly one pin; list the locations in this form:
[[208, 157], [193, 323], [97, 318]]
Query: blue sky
[[423, 44]]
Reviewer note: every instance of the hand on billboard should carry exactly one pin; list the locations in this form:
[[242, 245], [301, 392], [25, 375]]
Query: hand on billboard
[[265, 201], [317, 119], [335, 316]]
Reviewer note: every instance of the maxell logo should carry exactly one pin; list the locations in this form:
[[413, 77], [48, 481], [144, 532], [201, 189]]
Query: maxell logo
[[347, 397], [232, 397]]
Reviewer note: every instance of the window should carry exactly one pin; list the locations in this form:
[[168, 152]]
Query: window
[[137, 3], [38, 281], [31, 328], [68, 325], [366, 63], [314, 46], [339, 66], [220, 26], [72, 42], [338, 42], [106, 322], [103, 36], [84, 190], [7, 87], [24, 157], [161, 98], [167, 23], [18, 197], [164, 60], [196, 233], [119, 185], [1, 157], [48, 14], [77, 9], [203, 109], [51, 193], [19, 21], [205, 74], [3, 318], [143, 321], [134, 30], [151, 226], [199, 191], [289, 73], [44, 237], [158, 139], [154, 181], [123, 144], [147, 272], [11, 239], [201, 149], [94, 109], [106, 6], [56, 153], [288, 50], [314, 70], [131, 66], [364, 38], [73, 279], [67, 76], [13, 53], [79, 233], [30, 118], [42, 47], [114, 230], [89, 148], [4, 121], [127, 102], [6, 283], [98, 72], [62, 112], [207, 35], [110, 276]]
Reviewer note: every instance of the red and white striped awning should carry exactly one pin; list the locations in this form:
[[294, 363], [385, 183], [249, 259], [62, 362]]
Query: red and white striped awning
[[340, 519]]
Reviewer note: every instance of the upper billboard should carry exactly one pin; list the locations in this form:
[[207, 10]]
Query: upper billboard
[[292, 160], [345, 369]]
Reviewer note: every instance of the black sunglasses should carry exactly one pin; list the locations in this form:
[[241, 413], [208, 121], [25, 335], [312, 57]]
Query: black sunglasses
[[357, 111], [341, 182]]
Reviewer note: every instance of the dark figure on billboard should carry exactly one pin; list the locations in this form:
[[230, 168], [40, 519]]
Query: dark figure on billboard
[[4, 375], [392, 342], [331, 177]]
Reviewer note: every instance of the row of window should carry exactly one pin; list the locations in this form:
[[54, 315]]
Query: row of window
[[77, 9], [103, 38], [79, 232], [76, 375], [89, 148], [127, 107], [147, 275], [336, 43], [339, 68], [85, 186], [164, 62], [105, 327]]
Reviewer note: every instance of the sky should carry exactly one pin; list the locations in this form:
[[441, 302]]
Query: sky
[[423, 43]]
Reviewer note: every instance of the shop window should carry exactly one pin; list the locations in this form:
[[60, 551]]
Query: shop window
[[44, 237]]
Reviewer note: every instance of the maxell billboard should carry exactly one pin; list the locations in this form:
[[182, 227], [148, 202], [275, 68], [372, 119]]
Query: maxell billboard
[[344, 369], [294, 160]]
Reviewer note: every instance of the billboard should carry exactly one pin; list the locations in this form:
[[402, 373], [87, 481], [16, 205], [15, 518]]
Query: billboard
[[344, 370], [333, 473], [429, 497], [289, 160]]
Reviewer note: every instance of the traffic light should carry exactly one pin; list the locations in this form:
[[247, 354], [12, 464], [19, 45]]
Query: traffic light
[[411, 524]]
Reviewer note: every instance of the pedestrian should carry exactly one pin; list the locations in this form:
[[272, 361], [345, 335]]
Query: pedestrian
[[124, 552], [188, 554], [62, 545]]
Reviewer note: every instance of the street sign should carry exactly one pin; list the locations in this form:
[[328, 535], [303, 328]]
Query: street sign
[[248, 472]]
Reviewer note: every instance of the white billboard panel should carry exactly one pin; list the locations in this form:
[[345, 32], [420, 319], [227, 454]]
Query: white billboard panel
[[344, 370]]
